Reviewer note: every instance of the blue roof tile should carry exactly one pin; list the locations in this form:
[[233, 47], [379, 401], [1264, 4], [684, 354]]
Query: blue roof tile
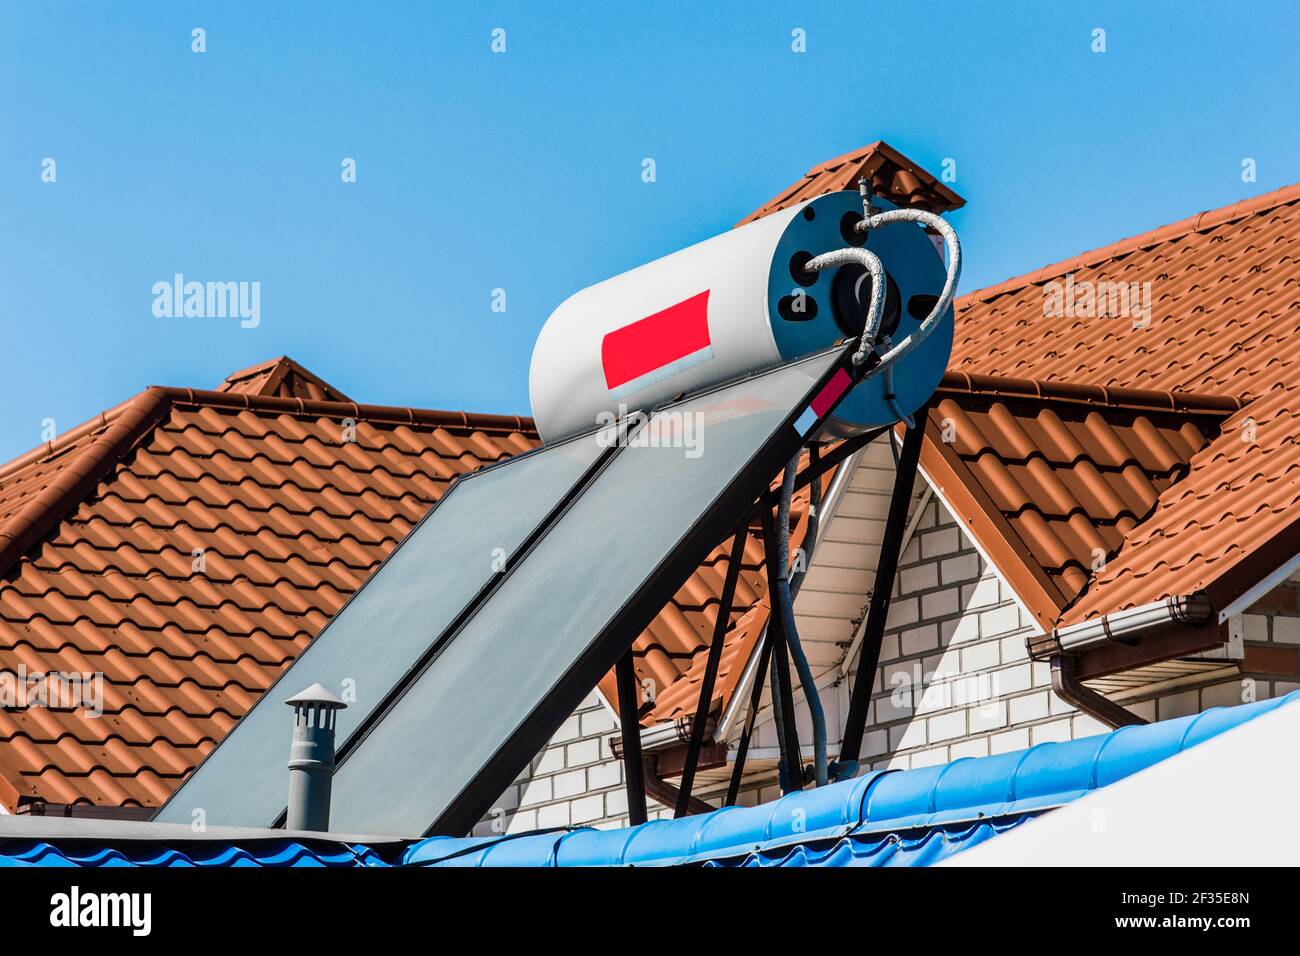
[[944, 800]]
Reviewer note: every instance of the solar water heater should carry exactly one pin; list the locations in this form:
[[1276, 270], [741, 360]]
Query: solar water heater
[[668, 399]]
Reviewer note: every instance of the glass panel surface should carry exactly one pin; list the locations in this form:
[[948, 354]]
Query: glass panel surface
[[549, 611], [386, 626]]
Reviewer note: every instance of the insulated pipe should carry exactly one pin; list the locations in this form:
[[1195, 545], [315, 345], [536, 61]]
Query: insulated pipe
[[791, 763], [852, 255], [871, 262], [814, 523], [951, 244], [786, 599]]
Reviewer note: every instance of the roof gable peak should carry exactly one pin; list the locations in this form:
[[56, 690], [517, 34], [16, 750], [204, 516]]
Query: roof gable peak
[[284, 378], [892, 176]]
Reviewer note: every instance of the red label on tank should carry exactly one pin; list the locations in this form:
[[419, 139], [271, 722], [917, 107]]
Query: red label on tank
[[658, 346]]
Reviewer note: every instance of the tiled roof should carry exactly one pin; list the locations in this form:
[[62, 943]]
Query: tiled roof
[[284, 377], [98, 532], [1225, 320], [892, 176], [1051, 478], [285, 517]]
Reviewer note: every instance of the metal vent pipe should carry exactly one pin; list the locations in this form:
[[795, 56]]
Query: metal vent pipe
[[311, 758]]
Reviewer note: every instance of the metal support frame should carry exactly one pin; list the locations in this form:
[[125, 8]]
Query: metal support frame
[[822, 464], [882, 589], [711, 670], [633, 769], [782, 689], [755, 698]]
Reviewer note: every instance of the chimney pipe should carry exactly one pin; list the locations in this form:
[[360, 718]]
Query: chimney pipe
[[311, 758]]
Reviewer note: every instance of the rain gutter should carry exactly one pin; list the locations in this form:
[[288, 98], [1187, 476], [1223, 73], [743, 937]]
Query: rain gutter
[[1126, 627]]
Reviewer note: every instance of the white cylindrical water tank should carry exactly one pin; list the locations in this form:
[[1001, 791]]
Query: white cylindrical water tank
[[734, 304]]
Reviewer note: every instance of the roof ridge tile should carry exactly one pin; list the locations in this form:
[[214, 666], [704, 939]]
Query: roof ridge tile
[[70, 485]]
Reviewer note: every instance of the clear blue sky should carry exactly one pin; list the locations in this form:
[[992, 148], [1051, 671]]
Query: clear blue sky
[[522, 171]]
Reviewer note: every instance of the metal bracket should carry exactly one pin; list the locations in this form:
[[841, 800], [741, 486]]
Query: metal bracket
[[882, 589], [720, 626]]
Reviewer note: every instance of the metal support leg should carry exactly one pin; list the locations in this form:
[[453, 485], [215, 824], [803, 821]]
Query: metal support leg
[[755, 698], [711, 670], [782, 689], [878, 611], [633, 770]]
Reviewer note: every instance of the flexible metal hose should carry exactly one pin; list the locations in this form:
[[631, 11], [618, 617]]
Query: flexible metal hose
[[851, 255], [786, 597], [951, 244], [868, 259]]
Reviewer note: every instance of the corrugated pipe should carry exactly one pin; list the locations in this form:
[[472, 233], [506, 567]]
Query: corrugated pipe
[[871, 263], [786, 600]]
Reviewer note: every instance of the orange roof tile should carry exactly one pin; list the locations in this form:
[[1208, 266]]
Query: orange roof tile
[[892, 176], [1051, 479], [1225, 317]]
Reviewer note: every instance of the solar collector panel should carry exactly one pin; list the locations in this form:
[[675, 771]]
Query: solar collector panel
[[387, 625], [499, 687]]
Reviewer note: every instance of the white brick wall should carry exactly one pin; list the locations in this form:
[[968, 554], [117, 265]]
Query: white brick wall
[[980, 693], [574, 781]]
